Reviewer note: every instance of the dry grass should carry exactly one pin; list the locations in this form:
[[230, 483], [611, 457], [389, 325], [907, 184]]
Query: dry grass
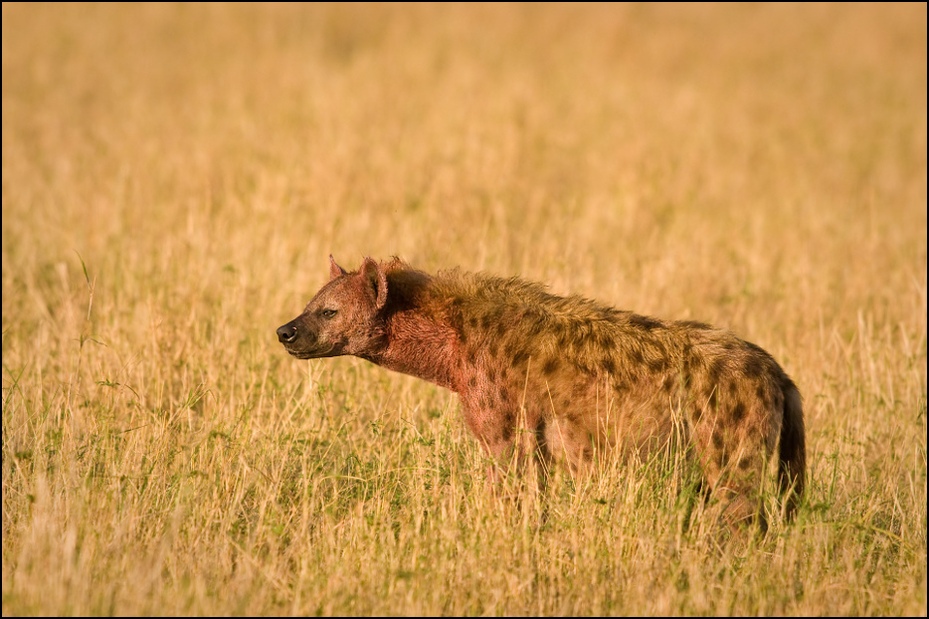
[[174, 178]]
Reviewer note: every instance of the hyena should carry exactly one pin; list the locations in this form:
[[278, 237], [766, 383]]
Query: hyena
[[561, 379]]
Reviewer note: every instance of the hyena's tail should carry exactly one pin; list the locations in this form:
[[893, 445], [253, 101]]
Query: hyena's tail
[[792, 464]]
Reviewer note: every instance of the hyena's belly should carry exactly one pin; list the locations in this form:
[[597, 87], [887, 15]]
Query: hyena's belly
[[595, 420]]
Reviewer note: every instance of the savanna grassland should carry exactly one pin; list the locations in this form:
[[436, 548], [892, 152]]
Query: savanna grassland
[[175, 177]]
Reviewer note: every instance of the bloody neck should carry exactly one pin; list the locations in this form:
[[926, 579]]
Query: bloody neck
[[421, 346]]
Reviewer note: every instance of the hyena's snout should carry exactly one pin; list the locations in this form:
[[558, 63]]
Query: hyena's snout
[[288, 333], [302, 340]]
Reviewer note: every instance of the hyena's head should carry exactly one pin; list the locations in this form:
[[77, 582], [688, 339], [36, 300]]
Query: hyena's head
[[344, 318]]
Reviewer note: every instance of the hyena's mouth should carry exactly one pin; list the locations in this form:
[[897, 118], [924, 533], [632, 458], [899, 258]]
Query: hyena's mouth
[[309, 353]]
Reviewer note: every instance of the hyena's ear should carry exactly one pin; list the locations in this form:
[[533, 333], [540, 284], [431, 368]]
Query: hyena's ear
[[374, 276], [334, 269]]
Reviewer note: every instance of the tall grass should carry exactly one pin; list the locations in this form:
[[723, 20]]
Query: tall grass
[[175, 176]]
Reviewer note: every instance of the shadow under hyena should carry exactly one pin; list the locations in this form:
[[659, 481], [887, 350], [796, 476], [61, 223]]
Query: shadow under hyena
[[555, 380]]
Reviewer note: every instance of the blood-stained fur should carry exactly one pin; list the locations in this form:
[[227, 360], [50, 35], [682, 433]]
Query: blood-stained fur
[[560, 379]]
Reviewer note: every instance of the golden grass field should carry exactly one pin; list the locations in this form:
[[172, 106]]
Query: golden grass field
[[175, 177]]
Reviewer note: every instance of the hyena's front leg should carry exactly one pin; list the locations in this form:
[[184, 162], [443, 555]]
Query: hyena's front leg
[[517, 456]]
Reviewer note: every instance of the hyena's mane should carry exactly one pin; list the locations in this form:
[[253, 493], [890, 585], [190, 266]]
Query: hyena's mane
[[519, 318]]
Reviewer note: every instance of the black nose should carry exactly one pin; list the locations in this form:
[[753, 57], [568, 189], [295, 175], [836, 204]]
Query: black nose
[[287, 333]]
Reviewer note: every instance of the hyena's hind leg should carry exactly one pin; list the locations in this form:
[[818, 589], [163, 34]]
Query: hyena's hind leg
[[733, 473]]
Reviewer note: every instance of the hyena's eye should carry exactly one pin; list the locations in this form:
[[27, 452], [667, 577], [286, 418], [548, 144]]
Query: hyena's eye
[[329, 313]]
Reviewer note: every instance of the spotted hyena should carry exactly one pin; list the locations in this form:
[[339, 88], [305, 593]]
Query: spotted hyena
[[554, 378]]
